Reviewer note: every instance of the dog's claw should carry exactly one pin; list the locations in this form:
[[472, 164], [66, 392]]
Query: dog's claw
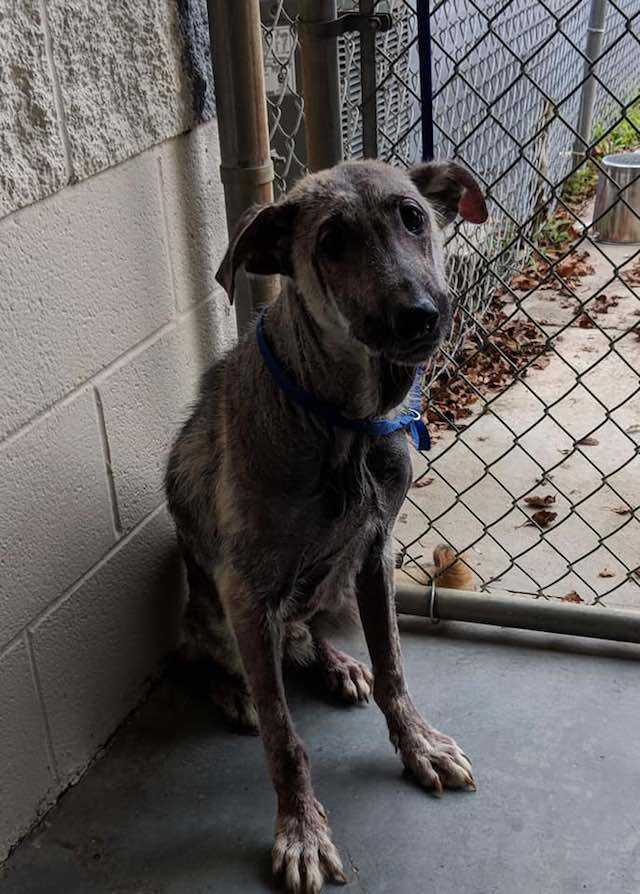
[[304, 855], [472, 784], [433, 758], [346, 677]]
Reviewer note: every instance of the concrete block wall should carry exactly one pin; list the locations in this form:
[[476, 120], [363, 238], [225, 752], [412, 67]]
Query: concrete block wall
[[86, 84], [111, 228]]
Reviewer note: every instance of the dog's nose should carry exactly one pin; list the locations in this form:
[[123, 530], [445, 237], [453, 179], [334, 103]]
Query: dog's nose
[[416, 321]]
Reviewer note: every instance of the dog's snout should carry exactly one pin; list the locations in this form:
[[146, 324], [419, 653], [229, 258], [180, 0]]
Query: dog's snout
[[416, 321]]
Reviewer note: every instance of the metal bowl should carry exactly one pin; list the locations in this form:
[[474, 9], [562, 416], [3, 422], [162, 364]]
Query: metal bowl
[[614, 221]]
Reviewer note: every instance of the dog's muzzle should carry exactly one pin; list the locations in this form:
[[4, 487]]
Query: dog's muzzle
[[413, 323]]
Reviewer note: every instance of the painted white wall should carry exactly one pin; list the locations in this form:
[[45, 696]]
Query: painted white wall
[[111, 228]]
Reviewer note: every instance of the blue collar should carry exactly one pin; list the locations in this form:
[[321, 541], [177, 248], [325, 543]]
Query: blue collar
[[411, 419]]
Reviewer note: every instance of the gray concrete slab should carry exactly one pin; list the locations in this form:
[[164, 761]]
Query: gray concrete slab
[[181, 805]]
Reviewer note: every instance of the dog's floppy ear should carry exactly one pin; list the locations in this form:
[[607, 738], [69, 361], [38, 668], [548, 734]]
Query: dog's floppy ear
[[452, 190], [261, 242]]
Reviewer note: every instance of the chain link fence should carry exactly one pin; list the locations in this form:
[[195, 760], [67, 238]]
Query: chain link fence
[[534, 402], [283, 83]]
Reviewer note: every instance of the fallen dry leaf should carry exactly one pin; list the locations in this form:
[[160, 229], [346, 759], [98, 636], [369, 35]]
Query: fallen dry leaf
[[489, 360], [525, 281], [585, 322], [571, 597], [632, 276], [603, 303], [606, 572], [575, 266], [544, 517], [622, 510], [539, 502], [588, 442], [633, 429], [541, 363], [424, 482], [402, 518], [541, 519], [554, 273]]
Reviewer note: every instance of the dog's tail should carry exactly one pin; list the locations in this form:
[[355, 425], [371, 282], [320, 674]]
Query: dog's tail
[[449, 570]]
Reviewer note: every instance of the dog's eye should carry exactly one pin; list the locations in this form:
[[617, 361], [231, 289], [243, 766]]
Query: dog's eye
[[412, 217], [332, 242]]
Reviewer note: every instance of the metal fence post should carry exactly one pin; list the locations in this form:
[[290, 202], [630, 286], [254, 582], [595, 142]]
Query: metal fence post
[[246, 169], [368, 81], [321, 84], [423, 15], [595, 34]]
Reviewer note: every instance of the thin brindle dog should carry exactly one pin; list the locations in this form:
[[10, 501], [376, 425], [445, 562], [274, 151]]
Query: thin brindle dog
[[285, 521]]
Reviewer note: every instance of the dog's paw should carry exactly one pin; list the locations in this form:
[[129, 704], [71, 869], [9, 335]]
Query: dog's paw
[[433, 758], [345, 677], [238, 707], [304, 856]]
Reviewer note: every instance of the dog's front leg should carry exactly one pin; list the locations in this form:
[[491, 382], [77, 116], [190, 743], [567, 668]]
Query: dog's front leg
[[434, 758], [303, 853]]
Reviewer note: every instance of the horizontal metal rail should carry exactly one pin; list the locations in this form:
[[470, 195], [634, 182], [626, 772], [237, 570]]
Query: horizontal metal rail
[[508, 610]]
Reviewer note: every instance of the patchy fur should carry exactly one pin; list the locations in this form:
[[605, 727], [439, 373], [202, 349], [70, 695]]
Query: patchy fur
[[285, 523]]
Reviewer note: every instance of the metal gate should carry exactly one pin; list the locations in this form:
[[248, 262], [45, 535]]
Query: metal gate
[[534, 477]]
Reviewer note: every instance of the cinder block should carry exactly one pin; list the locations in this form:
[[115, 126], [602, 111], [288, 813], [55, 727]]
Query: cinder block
[[83, 277], [56, 518], [33, 162], [195, 212], [97, 648], [146, 400], [27, 782], [122, 79]]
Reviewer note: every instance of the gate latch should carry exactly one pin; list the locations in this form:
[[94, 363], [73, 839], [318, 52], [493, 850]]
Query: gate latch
[[348, 21]]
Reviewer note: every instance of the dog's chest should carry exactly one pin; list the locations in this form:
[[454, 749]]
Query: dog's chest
[[375, 482], [353, 512]]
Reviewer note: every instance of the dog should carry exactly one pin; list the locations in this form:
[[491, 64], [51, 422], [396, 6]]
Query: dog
[[284, 512]]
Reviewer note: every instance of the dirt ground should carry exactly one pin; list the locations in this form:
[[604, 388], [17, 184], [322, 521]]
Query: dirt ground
[[591, 388]]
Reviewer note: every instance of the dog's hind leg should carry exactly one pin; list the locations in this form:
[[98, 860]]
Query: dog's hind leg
[[344, 676], [341, 675], [210, 652]]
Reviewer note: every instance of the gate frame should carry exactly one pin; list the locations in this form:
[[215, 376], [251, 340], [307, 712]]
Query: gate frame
[[246, 169]]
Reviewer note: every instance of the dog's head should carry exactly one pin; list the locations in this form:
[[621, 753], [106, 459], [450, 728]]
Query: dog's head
[[362, 243]]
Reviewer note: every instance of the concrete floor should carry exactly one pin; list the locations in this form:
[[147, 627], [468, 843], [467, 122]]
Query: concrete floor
[[596, 479], [180, 805]]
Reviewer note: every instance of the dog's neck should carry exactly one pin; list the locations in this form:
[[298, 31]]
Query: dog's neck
[[332, 365]]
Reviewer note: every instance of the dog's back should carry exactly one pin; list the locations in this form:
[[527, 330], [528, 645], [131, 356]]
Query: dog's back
[[194, 465]]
